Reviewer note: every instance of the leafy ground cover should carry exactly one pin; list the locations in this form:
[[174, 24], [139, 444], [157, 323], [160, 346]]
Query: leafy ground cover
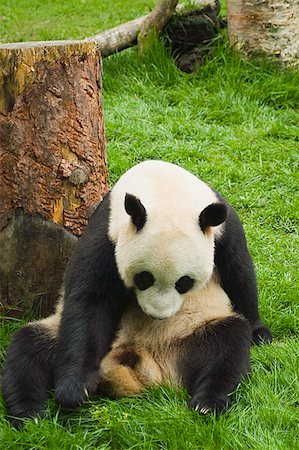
[[235, 124]]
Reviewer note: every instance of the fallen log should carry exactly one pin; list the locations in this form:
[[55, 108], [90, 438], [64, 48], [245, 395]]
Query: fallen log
[[52, 164], [155, 22], [125, 35]]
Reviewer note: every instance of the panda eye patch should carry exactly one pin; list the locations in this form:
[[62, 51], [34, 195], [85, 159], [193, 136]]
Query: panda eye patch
[[144, 280], [184, 284]]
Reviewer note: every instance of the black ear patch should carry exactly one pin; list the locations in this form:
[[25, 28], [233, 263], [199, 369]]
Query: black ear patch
[[136, 210], [213, 215]]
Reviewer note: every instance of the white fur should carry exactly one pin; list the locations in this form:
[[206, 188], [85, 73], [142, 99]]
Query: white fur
[[51, 323], [171, 244], [200, 307]]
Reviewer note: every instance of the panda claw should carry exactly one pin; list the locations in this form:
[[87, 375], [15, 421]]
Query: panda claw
[[203, 410], [86, 392], [204, 405]]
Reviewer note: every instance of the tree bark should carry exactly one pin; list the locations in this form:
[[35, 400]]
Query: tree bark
[[265, 26], [52, 163], [125, 35]]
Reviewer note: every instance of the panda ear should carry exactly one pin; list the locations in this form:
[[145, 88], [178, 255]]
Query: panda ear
[[213, 215], [136, 210]]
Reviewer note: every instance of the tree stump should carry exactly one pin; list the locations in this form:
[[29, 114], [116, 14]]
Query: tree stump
[[265, 26], [52, 164]]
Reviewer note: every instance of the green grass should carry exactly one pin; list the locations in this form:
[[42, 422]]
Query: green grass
[[235, 124], [39, 20]]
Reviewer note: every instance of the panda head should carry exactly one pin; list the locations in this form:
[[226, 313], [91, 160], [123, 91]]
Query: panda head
[[163, 259]]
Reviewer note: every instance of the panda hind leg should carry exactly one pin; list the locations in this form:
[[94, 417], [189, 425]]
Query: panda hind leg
[[125, 372], [213, 362], [28, 373]]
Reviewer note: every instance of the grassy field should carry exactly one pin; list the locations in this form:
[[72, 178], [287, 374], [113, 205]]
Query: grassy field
[[235, 124]]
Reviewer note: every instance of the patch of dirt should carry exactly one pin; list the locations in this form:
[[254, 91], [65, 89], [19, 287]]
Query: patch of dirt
[[190, 36]]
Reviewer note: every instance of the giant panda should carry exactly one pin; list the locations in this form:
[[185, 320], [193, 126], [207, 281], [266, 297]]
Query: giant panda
[[160, 287]]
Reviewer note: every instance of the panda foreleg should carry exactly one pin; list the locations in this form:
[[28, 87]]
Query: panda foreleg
[[83, 339], [28, 372], [94, 300], [213, 362], [237, 275]]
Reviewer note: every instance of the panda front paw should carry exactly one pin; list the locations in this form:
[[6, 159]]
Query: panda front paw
[[205, 405], [72, 392]]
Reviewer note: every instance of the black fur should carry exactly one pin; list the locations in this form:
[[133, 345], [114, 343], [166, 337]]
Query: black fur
[[144, 280], [136, 210], [237, 275], [184, 284], [28, 373], [95, 297], [213, 215], [214, 361], [129, 358]]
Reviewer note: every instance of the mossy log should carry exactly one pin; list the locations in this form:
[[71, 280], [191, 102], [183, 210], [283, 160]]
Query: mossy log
[[52, 163]]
